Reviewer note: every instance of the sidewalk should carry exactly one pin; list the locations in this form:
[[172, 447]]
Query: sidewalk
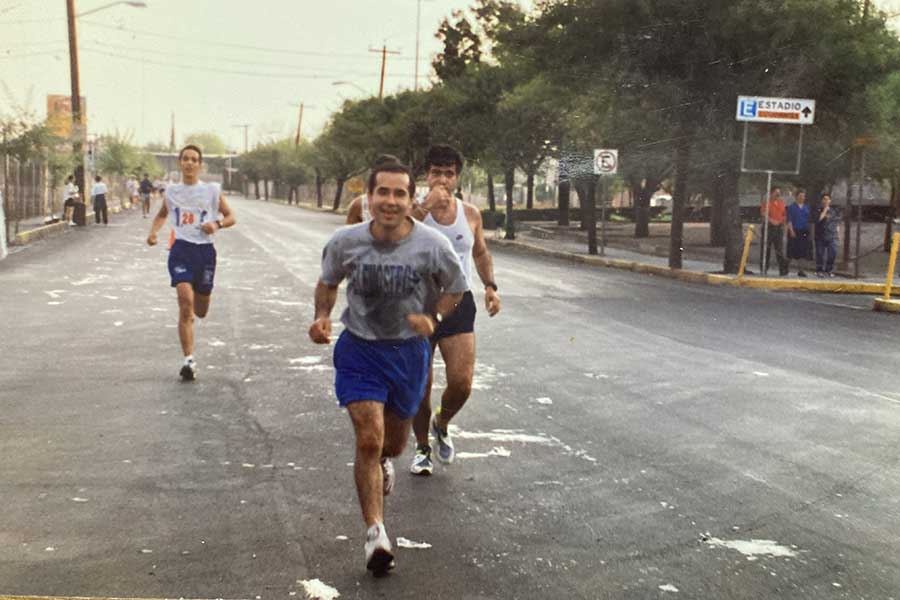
[[36, 228], [701, 263]]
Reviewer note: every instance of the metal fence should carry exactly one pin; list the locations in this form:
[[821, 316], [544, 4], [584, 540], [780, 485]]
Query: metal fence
[[25, 189]]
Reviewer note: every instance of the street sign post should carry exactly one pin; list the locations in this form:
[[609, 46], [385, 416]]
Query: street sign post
[[606, 164], [764, 109]]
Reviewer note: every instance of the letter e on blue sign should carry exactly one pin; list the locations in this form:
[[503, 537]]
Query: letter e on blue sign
[[748, 108]]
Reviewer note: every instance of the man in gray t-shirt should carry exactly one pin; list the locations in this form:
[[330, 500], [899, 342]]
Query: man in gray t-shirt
[[394, 268]]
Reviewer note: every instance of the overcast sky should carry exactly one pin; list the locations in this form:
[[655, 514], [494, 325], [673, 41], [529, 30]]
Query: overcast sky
[[217, 63]]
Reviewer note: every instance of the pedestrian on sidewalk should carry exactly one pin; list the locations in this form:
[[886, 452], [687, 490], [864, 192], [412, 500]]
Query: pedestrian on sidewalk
[[98, 196], [828, 220], [193, 208], [460, 222], [773, 210], [132, 186], [798, 221], [70, 197], [394, 267]]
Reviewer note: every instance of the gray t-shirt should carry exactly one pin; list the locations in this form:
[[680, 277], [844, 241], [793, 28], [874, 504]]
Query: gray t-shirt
[[386, 281]]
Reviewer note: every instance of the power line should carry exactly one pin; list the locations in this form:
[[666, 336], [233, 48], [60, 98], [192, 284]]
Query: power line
[[225, 44]]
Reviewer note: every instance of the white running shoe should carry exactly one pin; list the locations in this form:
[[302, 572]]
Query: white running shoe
[[421, 463], [379, 557], [188, 370], [387, 475], [444, 445]]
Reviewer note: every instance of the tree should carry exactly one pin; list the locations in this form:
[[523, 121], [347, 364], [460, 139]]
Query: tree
[[208, 141], [116, 155]]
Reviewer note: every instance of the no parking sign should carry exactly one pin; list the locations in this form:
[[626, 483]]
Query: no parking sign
[[606, 161]]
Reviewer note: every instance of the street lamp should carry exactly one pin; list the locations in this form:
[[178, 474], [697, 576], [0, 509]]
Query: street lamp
[[349, 83], [76, 84]]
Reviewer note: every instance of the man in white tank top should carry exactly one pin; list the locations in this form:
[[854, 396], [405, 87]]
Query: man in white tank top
[[196, 211], [358, 209], [460, 222]]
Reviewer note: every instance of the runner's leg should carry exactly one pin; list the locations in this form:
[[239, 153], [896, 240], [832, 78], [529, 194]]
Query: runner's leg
[[458, 352], [423, 416], [201, 304], [369, 425], [186, 316]]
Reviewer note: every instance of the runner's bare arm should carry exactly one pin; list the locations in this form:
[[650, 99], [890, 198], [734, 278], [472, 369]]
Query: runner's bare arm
[[354, 211], [158, 221], [228, 219], [424, 324], [484, 262], [325, 298]]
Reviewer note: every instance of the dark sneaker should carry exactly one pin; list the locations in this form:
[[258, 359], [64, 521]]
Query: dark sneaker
[[379, 557], [387, 476], [444, 444], [421, 463], [188, 371]]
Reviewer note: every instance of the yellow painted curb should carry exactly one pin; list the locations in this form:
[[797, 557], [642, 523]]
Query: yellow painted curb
[[883, 305], [765, 283], [26, 237]]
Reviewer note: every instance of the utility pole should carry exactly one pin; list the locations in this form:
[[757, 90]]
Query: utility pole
[[384, 52], [172, 134], [299, 125], [246, 126], [418, 20], [77, 133]]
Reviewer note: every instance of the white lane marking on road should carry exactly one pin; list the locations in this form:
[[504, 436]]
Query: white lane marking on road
[[111, 297], [511, 408], [118, 323], [495, 451], [306, 360], [264, 347], [500, 435], [760, 374], [544, 400], [54, 303], [55, 294], [89, 280], [754, 547], [318, 590], [402, 542], [341, 538], [215, 343], [49, 549], [77, 499], [668, 588], [311, 368]]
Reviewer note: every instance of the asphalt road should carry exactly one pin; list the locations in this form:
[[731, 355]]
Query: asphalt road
[[628, 437]]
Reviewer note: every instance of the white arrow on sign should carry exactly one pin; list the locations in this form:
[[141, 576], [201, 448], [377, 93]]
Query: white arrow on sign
[[606, 161]]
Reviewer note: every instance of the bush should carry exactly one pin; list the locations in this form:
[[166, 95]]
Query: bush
[[492, 219]]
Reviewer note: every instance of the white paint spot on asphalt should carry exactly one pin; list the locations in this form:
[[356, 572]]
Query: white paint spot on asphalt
[[760, 374], [668, 588], [286, 302], [216, 343], [264, 347], [500, 435], [248, 465], [548, 483], [146, 551], [836, 584], [510, 408], [89, 280], [402, 542], [755, 477], [54, 303], [341, 538], [158, 309], [247, 379], [306, 360], [544, 400], [495, 451], [111, 297], [118, 323], [111, 311], [317, 590], [596, 376], [267, 467], [311, 368], [55, 294], [77, 499], [754, 547], [49, 549]]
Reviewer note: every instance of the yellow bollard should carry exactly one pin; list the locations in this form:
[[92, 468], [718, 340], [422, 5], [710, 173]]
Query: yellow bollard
[[747, 240], [892, 263]]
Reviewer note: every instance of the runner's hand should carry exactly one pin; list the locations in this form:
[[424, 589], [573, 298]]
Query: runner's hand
[[320, 331], [151, 239], [209, 228], [421, 324], [491, 301], [438, 195]]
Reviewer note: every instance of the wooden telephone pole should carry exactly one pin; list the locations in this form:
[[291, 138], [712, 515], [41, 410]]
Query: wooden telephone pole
[[384, 52]]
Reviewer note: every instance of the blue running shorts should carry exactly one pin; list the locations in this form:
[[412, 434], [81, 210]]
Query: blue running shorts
[[194, 264], [393, 372]]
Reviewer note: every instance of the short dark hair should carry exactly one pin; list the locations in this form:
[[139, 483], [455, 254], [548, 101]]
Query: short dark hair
[[391, 167], [193, 147], [97, 178], [800, 191], [383, 159], [775, 187], [443, 155], [70, 178]]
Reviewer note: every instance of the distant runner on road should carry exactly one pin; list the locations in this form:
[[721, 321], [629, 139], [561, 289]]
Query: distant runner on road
[[195, 208], [393, 266], [145, 188], [460, 223]]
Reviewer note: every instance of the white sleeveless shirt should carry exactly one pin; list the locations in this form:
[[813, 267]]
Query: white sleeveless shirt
[[190, 206], [460, 236], [366, 215]]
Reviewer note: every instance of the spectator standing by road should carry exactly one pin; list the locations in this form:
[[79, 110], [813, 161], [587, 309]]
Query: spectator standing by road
[[98, 195], [773, 209], [798, 221], [70, 196], [828, 221]]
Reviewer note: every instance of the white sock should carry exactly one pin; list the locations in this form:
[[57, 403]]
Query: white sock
[[189, 359]]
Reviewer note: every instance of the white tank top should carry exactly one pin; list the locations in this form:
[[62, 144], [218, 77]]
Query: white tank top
[[190, 206], [366, 215], [460, 236]]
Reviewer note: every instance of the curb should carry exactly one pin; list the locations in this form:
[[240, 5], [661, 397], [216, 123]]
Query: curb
[[883, 305], [766, 283], [23, 238]]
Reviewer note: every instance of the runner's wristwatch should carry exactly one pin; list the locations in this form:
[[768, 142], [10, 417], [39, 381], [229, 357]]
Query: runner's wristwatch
[[492, 285]]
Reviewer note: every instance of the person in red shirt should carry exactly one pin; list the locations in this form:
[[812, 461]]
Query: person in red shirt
[[773, 208]]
